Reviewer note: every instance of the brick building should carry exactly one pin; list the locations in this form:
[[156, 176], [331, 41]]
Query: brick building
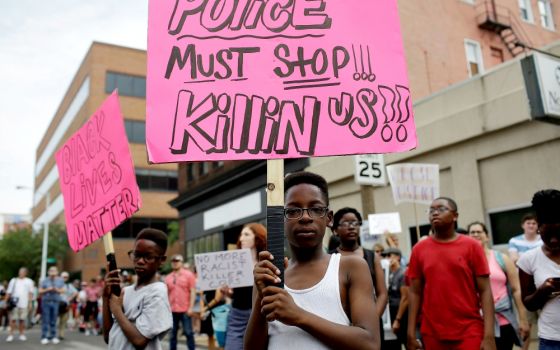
[[104, 68]]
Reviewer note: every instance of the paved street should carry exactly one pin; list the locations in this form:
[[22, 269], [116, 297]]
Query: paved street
[[74, 340]]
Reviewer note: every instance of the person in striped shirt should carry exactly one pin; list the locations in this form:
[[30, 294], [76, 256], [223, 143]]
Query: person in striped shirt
[[526, 241]]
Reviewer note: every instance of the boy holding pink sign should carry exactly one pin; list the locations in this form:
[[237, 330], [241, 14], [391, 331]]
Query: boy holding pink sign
[[328, 299]]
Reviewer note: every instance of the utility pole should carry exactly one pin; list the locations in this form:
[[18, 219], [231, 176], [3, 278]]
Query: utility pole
[[44, 251], [368, 202], [45, 240]]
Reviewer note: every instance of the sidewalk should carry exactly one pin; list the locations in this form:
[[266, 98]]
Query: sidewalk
[[77, 340], [73, 340]]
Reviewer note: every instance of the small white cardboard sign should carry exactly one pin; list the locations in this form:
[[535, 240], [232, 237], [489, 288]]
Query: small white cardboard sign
[[379, 223], [233, 268]]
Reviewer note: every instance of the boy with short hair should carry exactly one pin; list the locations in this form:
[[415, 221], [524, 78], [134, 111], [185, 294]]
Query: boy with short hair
[[526, 241], [141, 316], [328, 299], [449, 284]]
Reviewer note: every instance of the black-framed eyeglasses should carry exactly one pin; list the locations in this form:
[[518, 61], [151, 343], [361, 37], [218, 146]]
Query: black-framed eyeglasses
[[148, 258], [347, 224], [441, 209], [297, 213]]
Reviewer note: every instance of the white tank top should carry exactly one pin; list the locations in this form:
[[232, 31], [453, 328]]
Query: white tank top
[[323, 300]]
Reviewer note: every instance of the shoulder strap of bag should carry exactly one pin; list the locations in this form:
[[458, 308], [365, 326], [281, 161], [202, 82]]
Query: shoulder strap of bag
[[500, 260]]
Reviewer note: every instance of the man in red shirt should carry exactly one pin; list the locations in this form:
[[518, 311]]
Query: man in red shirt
[[181, 285], [449, 278]]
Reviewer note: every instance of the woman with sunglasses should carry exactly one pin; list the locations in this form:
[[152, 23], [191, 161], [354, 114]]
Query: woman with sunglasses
[[346, 225], [504, 283]]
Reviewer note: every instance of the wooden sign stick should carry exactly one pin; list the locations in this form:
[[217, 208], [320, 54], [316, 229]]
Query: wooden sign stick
[[275, 213], [110, 254], [417, 227]]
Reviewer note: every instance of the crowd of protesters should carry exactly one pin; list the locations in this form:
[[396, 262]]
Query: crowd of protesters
[[56, 303], [455, 291]]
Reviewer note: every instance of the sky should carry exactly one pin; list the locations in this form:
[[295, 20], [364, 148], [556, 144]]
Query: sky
[[42, 44]]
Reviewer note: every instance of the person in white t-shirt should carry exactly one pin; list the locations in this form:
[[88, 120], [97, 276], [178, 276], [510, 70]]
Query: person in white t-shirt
[[20, 287], [539, 270]]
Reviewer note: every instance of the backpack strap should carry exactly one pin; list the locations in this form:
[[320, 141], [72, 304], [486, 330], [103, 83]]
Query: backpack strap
[[500, 260]]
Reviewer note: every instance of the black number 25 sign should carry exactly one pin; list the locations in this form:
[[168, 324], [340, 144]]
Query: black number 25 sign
[[370, 170]]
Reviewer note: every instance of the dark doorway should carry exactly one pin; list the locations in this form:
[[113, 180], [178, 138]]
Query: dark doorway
[[424, 231], [231, 235]]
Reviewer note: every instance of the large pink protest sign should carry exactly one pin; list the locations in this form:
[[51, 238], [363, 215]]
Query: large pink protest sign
[[254, 79], [97, 176]]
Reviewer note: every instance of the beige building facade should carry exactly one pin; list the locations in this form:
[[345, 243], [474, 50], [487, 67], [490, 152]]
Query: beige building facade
[[472, 114], [104, 68], [491, 154]]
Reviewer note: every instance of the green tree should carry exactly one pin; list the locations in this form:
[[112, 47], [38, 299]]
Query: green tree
[[172, 237], [172, 232], [24, 247]]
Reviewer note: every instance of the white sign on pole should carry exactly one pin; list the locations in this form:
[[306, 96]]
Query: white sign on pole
[[370, 170], [414, 183], [367, 240], [379, 223], [386, 317], [233, 268]]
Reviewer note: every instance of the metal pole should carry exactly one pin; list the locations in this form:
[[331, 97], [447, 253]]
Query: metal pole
[[45, 242]]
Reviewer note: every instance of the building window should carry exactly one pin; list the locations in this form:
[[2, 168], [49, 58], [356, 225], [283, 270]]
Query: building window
[[474, 57], [545, 9], [217, 165], [497, 54], [203, 168], [130, 228], [128, 85], [190, 171], [158, 180], [525, 10], [507, 223], [135, 131], [206, 244]]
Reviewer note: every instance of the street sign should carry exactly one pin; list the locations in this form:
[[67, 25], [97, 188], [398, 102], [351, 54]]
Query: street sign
[[542, 82], [370, 170]]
